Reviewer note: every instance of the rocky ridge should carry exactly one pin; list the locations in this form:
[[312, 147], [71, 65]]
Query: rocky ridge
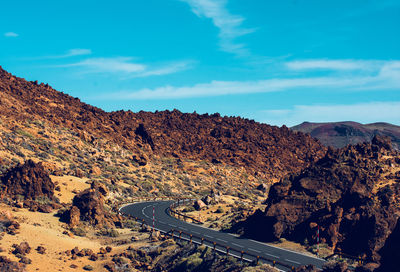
[[263, 150], [352, 195]]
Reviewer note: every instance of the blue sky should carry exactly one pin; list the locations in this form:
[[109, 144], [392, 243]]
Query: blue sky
[[278, 62]]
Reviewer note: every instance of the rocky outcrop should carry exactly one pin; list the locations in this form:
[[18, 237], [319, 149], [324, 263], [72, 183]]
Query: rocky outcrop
[[29, 180], [89, 206], [23, 248], [343, 193], [391, 251], [7, 265]]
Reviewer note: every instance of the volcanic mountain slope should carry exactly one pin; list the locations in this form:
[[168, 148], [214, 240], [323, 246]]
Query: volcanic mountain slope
[[132, 155], [352, 194], [263, 150], [340, 134]]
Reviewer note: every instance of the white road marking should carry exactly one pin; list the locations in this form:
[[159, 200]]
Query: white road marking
[[252, 249], [183, 228], [292, 261], [208, 236], [272, 255], [173, 226], [196, 232], [222, 240], [162, 222], [236, 245]]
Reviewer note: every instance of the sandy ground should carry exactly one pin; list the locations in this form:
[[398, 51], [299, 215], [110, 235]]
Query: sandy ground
[[69, 185], [41, 229]]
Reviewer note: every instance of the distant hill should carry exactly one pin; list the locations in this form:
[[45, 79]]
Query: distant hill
[[340, 134]]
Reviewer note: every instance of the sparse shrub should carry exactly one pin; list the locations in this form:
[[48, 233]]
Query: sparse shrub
[[79, 232], [188, 209], [88, 267], [108, 232], [44, 200], [219, 210]]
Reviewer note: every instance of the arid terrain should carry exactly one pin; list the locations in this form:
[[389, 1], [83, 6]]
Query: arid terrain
[[66, 167]]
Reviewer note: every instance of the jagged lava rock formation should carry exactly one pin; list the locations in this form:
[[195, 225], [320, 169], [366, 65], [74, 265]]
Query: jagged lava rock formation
[[89, 206], [340, 134], [352, 194], [29, 180], [265, 151]]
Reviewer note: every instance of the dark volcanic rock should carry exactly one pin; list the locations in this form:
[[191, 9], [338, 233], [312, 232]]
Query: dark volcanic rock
[[29, 180], [264, 150], [7, 265], [23, 248], [146, 138], [391, 251], [89, 206], [341, 193]]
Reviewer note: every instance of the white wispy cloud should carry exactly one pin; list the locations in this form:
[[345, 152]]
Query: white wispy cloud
[[11, 34], [76, 52], [229, 25], [108, 65], [331, 64], [218, 88], [70, 53], [361, 112], [387, 76], [125, 66]]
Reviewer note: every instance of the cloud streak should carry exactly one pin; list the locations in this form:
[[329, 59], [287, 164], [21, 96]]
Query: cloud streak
[[361, 112], [126, 67], [70, 53], [11, 34], [341, 65], [386, 76], [229, 25]]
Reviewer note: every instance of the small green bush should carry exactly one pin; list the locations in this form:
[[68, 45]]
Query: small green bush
[[108, 232], [79, 232], [88, 267]]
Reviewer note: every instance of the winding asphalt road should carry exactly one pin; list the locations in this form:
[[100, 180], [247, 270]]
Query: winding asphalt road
[[285, 259]]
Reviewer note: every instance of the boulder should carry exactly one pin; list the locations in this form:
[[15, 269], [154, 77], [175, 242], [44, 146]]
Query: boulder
[[88, 206], [29, 180], [41, 250], [7, 265], [23, 248], [74, 216], [199, 205], [262, 187]]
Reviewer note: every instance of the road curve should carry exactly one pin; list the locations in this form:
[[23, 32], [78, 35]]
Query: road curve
[[165, 222]]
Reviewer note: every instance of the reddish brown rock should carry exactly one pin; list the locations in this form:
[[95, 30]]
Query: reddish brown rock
[[73, 217], [93, 257], [6, 265], [23, 248], [95, 171], [29, 180], [336, 194], [264, 150], [199, 205], [90, 204], [41, 250]]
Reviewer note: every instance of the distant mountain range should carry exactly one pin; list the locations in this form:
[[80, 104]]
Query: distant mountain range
[[340, 134]]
